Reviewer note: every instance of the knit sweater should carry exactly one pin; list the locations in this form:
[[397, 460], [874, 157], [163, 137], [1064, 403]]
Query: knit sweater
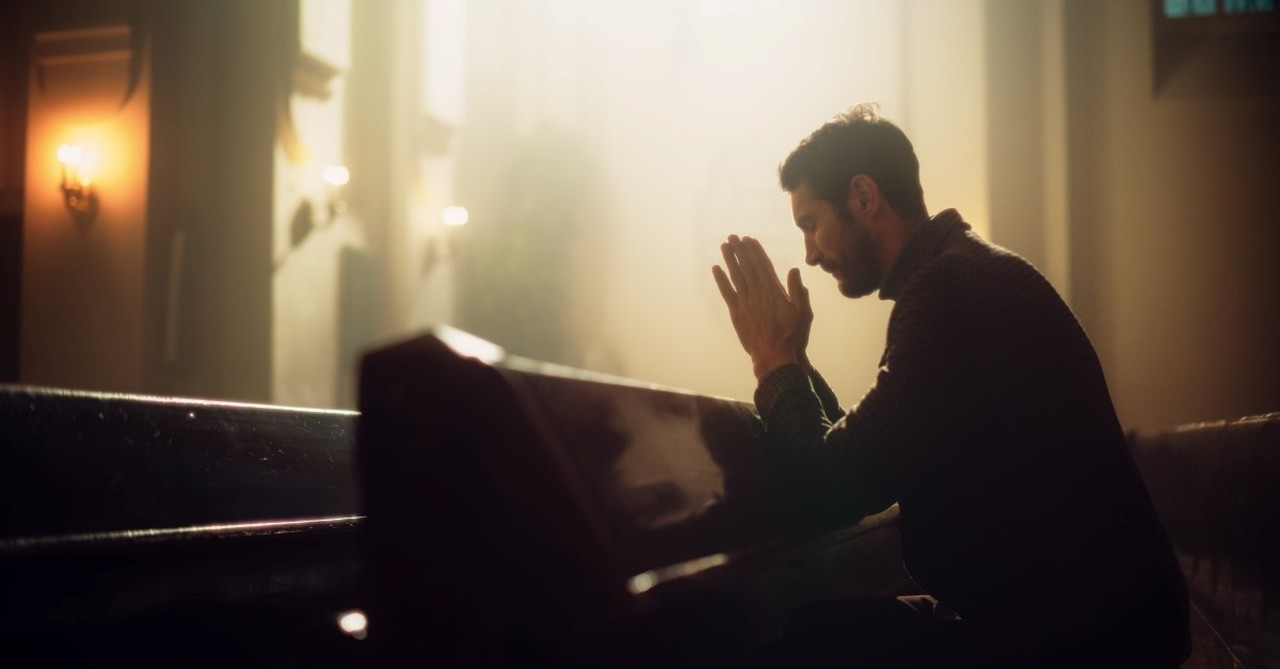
[[990, 424]]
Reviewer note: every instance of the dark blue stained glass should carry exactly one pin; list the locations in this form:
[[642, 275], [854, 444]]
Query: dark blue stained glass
[[1177, 9], [1204, 7], [1248, 6]]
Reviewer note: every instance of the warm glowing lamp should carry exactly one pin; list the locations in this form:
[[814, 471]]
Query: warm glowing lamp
[[77, 191], [455, 216], [452, 217], [336, 176]]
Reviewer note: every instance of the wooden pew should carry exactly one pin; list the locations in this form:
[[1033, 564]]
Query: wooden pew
[[1216, 486], [525, 514], [148, 531], [520, 511]]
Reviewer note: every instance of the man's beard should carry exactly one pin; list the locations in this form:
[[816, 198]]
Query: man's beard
[[864, 285], [860, 273]]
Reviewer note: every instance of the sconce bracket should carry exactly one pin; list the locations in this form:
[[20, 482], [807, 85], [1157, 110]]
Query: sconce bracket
[[81, 201]]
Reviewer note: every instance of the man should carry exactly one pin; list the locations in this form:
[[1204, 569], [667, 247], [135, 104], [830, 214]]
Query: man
[[989, 423]]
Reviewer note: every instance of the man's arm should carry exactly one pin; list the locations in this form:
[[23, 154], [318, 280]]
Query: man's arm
[[821, 458], [798, 407], [926, 393], [826, 396], [860, 461]]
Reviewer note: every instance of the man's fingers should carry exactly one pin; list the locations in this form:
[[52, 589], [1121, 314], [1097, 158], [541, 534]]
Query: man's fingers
[[797, 291], [794, 286], [731, 263], [726, 288], [765, 274], [747, 269], [750, 277]]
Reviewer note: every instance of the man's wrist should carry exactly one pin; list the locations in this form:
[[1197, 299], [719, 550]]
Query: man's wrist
[[767, 364]]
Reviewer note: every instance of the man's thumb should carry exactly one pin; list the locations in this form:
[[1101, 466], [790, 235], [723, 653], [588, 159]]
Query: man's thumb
[[795, 287]]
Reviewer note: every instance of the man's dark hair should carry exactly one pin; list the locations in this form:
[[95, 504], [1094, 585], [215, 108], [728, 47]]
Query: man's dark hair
[[857, 142]]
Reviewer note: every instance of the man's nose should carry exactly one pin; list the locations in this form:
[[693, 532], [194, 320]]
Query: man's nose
[[811, 255]]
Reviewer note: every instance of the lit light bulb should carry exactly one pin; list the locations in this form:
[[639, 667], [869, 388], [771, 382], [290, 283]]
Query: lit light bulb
[[455, 216], [77, 182], [70, 154], [336, 175]]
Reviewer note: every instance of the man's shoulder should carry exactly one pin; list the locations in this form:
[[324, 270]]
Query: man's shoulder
[[973, 271], [980, 255], [966, 259]]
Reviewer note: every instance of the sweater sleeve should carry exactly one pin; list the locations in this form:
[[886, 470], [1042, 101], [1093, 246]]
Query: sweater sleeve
[[827, 396], [921, 395]]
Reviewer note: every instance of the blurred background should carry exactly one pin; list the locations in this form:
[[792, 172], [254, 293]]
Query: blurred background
[[234, 199]]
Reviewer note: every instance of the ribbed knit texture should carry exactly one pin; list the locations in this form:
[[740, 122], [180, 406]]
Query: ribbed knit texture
[[991, 425]]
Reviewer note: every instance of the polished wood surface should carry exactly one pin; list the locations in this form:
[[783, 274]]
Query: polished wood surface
[[520, 510], [484, 510], [149, 531]]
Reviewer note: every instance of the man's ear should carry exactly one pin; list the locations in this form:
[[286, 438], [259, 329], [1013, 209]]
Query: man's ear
[[864, 195]]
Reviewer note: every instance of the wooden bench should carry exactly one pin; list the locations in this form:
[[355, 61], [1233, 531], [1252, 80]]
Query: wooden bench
[[149, 531], [490, 510], [521, 513], [1216, 487], [517, 512]]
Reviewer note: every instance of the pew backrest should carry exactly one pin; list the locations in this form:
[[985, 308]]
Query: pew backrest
[[1216, 486], [159, 531], [77, 462]]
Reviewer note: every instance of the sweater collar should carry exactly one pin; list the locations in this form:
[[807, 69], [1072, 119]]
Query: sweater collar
[[925, 243]]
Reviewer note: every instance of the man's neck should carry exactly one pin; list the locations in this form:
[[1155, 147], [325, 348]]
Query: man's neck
[[895, 231]]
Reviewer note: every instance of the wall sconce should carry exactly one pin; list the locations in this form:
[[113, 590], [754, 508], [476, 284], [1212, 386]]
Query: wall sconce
[[77, 191], [305, 218], [452, 217], [336, 176], [455, 217]]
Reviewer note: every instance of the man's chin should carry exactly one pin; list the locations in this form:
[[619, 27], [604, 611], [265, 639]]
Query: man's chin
[[855, 290]]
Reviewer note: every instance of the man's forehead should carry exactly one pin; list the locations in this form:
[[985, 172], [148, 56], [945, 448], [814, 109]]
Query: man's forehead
[[803, 190], [803, 200]]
